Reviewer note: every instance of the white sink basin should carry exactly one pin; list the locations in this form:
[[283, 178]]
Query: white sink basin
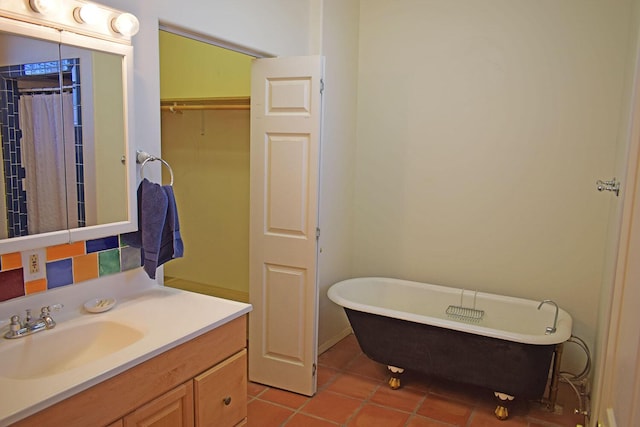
[[84, 349], [57, 350]]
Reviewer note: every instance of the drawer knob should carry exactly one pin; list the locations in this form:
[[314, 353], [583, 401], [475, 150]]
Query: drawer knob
[[227, 400]]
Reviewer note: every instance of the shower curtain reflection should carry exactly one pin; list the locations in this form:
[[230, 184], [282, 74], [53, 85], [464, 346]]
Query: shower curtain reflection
[[47, 149]]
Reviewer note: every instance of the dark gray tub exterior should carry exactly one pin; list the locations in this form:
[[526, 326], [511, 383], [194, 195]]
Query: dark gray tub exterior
[[517, 369]]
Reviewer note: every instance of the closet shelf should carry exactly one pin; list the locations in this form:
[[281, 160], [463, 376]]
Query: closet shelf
[[232, 103]]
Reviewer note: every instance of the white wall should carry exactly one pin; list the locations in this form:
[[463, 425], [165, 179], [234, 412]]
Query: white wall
[[339, 44], [482, 128]]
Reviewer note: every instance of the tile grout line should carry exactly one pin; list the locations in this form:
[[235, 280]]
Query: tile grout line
[[415, 409], [367, 400], [362, 405], [344, 369], [299, 410]]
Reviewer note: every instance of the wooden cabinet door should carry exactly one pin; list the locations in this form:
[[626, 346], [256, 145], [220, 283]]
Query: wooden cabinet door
[[221, 393], [172, 409]]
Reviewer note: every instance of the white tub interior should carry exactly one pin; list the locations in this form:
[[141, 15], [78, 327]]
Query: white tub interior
[[508, 318]]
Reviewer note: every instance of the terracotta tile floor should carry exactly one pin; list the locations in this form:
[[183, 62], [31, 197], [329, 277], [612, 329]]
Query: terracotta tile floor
[[352, 392]]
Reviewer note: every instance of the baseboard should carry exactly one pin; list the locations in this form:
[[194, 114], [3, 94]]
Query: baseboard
[[214, 291], [322, 347]]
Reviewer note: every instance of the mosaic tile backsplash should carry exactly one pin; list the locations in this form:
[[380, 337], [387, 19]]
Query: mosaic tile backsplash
[[65, 265]]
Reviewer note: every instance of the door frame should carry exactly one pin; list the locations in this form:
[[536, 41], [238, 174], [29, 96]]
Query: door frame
[[615, 347], [258, 54]]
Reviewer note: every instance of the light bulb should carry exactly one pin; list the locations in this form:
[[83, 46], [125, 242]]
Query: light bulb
[[126, 24], [89, 13], [44, 6]]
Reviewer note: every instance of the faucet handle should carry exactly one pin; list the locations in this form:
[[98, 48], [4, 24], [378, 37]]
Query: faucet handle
[[44, 311], [15, 323]]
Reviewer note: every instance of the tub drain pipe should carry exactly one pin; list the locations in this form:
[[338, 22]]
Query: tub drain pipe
[[580, 380], [573, 380], [555, 378]]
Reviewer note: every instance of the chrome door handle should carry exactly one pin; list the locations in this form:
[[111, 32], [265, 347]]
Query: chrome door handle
[[612, 185]]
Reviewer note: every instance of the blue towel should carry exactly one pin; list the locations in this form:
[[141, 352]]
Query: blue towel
[[171, 245], [158, 229]]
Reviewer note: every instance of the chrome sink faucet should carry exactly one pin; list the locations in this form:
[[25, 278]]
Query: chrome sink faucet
[[551, 329], [18, 329]]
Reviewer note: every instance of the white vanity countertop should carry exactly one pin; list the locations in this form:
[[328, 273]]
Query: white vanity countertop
[[167, 317]]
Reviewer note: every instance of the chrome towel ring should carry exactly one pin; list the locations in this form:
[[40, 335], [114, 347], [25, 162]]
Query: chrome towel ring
[[142, 157]]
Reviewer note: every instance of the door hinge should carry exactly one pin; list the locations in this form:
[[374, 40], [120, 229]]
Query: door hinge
[[317, 233], [321, 86], [313, 370]]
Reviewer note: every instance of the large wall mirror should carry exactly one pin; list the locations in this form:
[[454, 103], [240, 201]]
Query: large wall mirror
[[68, 166]]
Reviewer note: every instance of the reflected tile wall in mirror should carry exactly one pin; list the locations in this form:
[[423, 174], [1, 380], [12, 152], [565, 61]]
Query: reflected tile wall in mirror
[[14, 169]]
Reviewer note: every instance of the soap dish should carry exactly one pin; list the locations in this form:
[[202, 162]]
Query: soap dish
[[99, 305]]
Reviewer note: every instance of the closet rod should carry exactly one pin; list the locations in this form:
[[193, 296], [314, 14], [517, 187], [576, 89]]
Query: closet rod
[[219, 103], [176, 108]]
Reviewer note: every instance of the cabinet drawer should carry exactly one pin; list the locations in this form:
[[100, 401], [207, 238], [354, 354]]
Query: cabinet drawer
[[221, 393], [172, 409]]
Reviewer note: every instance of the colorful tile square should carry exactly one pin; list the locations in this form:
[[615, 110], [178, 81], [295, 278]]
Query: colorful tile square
[[130, 258], [11, 261], [59, 273], [35, 286], [103, 244], [109, 262], [65, 251], [85, 267], [11, 284]]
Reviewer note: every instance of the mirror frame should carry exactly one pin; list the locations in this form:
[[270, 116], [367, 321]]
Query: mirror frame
[[24, 243]]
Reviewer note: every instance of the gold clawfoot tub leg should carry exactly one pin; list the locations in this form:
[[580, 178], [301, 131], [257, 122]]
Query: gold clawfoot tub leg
[[502, 411], [394, 380]]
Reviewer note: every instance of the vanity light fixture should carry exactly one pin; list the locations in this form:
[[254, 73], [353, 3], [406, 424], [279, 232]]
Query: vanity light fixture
[[44, 6], [125, 24], [85, 17], [88, 13]]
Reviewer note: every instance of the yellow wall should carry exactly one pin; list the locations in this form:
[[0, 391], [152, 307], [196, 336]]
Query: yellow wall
[[209, 154], [192, 69], [211, 172]]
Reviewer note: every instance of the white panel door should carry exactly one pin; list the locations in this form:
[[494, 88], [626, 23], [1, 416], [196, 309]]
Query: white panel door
[[286, 109]]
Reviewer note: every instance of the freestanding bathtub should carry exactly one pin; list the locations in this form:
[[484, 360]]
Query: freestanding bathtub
[[502, 343]]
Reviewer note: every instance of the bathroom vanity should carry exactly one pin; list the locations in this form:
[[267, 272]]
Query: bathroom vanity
[[160, 354], [201, 382]]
